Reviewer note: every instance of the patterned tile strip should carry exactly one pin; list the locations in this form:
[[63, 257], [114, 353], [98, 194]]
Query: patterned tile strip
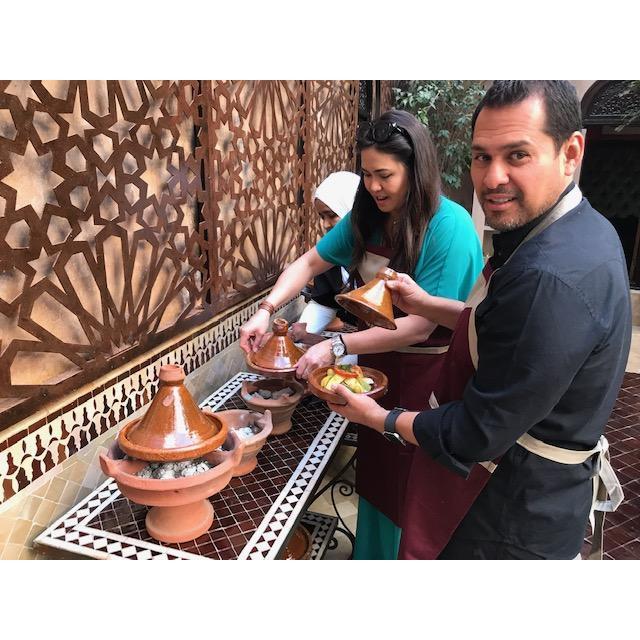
[[33, 453]]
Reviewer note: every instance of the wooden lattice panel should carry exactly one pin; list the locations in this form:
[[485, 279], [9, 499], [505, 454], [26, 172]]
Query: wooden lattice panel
[[99, 240], [256, 179], [131, 210], [330, 138]]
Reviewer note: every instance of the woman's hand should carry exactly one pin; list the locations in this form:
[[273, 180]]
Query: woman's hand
[[359, 408], [408, 296], [319, 355], [253, 330]]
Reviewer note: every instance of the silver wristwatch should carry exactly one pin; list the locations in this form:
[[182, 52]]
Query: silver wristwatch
[[338, 347]]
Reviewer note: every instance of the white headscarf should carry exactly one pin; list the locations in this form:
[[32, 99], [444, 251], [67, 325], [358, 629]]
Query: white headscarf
[[338, 191]]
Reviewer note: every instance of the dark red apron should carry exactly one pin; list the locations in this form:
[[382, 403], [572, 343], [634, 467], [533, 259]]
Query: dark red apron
[[439, 498], [382, 467]]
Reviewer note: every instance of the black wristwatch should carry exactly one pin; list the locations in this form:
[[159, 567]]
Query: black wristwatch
[[390, 426]]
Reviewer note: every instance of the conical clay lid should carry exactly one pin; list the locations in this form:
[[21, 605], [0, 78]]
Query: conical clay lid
[[279, 352], [173, 428], [372, 302]]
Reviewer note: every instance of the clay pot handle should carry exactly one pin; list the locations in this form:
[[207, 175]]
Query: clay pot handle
[[280, 327], [266, 419], [238, 450], [109, 466], [387, 274]]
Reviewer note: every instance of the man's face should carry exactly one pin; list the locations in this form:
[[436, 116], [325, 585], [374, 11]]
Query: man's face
[[516, 170]]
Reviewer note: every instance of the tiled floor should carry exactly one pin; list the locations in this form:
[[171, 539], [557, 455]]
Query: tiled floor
[[622, 528]]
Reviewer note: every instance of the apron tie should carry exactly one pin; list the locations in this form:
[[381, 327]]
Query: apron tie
[[607, 491]]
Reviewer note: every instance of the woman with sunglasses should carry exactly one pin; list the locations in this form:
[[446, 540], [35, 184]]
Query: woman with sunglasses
[[399, 219]]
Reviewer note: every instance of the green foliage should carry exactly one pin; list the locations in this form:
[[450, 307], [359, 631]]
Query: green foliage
[[446, 107]]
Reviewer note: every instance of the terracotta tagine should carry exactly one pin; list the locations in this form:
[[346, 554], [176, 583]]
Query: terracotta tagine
[[378, 389], [180, 442], [240, 420], [299, 545], [281, 407], [173, 428], [372, 302], [181, 509], [279, 356]]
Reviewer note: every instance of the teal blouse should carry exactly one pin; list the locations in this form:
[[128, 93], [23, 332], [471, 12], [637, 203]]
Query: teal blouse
[[450, 259]]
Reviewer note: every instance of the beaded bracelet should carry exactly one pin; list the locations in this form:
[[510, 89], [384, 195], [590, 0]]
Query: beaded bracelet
[[267, 306]]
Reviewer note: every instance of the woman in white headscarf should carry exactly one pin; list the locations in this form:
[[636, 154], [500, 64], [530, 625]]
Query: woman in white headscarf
[[332, 200]]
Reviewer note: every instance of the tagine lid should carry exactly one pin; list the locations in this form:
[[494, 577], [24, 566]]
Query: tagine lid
[[372, 302], [173, 428], [279, 353]]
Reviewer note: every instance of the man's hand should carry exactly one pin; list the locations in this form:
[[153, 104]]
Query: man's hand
[[252, 332], [298, 331], [408, 296], [359, 408], [319, 355]]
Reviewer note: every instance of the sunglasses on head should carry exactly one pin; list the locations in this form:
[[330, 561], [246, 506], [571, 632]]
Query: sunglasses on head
[[379, 131]]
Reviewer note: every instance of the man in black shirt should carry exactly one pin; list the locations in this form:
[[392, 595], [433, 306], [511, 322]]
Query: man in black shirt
[[548, 339]]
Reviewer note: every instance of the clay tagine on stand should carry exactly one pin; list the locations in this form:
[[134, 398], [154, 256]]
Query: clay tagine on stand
[[279, 356], [372, 302], [173, 431], [281, 397]]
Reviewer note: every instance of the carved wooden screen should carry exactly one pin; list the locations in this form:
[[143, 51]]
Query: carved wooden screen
[[256, 178], [332, 116], [131, 210]]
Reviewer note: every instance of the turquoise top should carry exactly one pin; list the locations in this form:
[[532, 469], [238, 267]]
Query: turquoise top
[[450, 259]]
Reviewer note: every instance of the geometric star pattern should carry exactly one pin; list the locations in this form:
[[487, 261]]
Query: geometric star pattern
[[136, 206], [33, 179]]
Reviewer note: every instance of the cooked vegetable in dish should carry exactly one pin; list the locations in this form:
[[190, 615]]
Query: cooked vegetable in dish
[[350, 376]]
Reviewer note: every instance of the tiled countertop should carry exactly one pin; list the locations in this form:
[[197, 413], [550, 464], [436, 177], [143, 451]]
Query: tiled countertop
[[254, 515]]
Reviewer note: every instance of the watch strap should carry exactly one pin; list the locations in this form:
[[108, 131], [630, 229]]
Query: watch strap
[[390, 420]]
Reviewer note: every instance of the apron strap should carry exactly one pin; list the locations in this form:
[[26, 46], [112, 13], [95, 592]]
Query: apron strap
[[488, 465], [434, 351], [607, 491]]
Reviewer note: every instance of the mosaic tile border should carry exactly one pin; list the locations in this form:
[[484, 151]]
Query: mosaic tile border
[[29, 454], [71, 532], [323, 528]]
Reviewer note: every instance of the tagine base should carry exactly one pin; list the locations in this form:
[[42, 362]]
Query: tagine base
[[180, 523], [246, 467], [282, 427]]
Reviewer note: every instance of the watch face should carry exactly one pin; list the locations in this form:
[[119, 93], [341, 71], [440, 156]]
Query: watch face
[[337, 347]]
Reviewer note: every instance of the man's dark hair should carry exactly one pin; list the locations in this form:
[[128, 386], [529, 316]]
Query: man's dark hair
[[562, 107]]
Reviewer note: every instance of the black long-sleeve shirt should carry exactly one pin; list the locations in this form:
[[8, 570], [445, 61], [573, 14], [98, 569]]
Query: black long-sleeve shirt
[[553, 341]]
